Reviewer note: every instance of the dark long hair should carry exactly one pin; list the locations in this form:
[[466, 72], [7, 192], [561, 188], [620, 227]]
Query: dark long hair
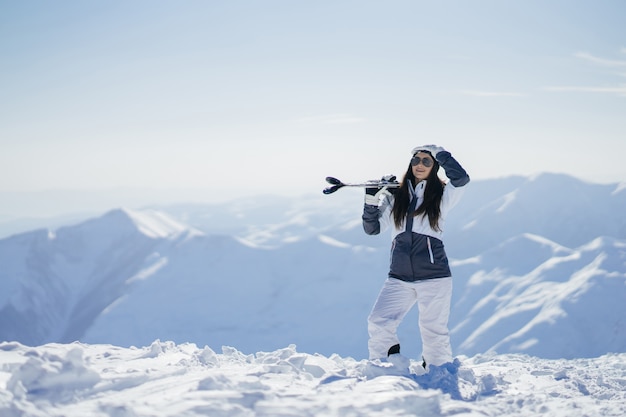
[[431, 206]]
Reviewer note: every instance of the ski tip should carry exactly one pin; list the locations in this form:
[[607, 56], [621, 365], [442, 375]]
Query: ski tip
[[332, 189], [333, 180]]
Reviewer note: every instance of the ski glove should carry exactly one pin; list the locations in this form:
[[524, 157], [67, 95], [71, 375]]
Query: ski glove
[[374, 195], [433, 149]]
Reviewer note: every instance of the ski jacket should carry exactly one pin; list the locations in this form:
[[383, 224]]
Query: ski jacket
[[417, 250]]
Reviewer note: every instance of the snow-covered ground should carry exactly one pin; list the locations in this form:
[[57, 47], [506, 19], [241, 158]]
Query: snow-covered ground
[[166, 379]]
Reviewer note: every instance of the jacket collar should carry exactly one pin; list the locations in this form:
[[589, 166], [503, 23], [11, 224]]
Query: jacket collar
[[418, 190]]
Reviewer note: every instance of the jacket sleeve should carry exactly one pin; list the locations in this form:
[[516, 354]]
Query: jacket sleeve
[[371, 216], [376, 218], [454, 171]]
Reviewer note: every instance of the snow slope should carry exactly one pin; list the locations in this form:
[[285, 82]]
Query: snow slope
[[558, 207], [54, 284], [554, 303], [166, 379]]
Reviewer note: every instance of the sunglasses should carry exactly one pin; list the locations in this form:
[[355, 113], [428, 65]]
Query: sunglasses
[[426, 161]]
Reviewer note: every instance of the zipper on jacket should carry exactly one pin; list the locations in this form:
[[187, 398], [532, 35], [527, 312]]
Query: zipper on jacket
[[430, 251]]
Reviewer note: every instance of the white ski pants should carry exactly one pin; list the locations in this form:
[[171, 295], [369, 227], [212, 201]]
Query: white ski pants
[[395, 300]]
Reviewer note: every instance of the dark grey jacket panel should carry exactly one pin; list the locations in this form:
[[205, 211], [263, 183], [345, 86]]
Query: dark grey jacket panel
[[416, 257]]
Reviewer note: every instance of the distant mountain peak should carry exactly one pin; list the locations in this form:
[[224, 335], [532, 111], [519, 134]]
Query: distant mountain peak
[[157, 224], [151, 223]]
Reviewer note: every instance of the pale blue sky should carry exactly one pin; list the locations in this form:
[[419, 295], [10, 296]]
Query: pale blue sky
[[196, 94]]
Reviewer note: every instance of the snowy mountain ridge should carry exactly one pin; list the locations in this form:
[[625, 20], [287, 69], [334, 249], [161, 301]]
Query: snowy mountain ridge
[[567, 296], [129, 277], [156, 224]]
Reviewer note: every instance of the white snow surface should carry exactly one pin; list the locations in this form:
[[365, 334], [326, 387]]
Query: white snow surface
[[184, 380]]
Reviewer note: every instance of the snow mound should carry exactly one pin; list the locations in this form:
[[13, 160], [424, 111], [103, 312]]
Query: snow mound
[[51, 376], [166, 379]]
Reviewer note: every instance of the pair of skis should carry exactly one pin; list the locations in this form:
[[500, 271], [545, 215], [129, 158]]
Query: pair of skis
[[337, 184]]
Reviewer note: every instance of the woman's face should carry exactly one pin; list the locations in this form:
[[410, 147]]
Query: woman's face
[[421, 171]]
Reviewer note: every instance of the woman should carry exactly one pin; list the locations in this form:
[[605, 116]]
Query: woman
[[419, 271]]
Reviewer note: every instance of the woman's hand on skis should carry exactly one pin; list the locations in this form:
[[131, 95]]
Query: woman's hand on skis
[[374, 195]]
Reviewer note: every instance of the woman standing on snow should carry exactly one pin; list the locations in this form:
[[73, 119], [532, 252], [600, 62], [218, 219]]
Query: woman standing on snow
[[419, 271]]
